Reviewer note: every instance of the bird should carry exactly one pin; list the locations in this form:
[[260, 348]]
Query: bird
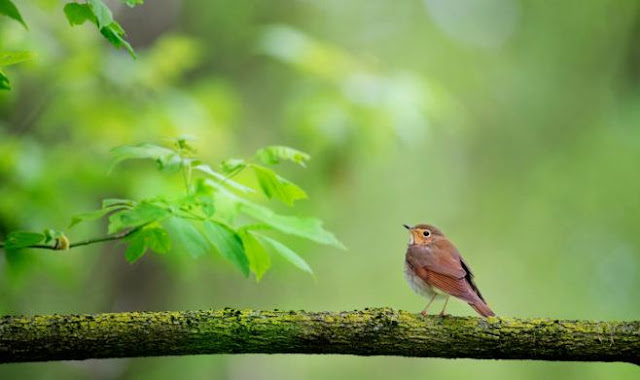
[[433, 266]]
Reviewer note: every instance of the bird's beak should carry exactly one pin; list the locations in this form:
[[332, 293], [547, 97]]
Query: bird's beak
[[407, 227]]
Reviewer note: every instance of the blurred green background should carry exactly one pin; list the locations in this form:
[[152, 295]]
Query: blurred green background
[[511, 125]]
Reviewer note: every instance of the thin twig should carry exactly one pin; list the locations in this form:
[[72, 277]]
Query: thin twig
[[118, 236]]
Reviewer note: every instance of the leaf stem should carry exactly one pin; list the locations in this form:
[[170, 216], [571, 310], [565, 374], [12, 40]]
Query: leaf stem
[[186, 175], [118, 236]]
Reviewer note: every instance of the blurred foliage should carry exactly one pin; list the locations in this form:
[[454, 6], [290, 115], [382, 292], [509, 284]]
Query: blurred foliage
[[77, 13], [511, 125]]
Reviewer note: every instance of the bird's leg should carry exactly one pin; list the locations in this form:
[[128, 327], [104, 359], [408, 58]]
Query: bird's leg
[[442, 314], [424, 311]]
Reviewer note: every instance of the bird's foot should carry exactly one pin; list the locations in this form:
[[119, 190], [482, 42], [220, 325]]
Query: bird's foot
[[424, 313], [445, 315]]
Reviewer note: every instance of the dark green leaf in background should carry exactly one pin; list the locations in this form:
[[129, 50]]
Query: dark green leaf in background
[[115, 34], [102, 12], [9, 9], [4, 81], [98, 13], [78, 14]]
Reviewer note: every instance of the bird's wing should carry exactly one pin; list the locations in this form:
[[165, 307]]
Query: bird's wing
[[441, 257], [439, 264], [469, 278]]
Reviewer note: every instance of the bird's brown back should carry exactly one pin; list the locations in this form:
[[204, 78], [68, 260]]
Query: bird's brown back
[[440, 264]]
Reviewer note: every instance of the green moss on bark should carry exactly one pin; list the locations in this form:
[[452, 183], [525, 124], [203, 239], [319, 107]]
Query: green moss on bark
[[380, 331]]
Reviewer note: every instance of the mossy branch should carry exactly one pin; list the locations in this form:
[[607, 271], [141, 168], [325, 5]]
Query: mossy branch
[[366, 332]]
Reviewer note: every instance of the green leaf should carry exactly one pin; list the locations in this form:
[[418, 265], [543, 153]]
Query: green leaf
[[143, 213], [111, 202], [167, 159], [226, 203], [8, 58], [204, 197], [4, 81], [308, 228], [286, 253], [157, 239], [184, 145], [259, 259], [187, 237], [23, 239], [97, 12], [8, 9], [137, 247], [78, 14], [272, 155], [51, 235], [274, 186], [232, 165], [115, 34], [228, 243], [223, 179], [133, 3], [154, 238], [207, 205], [102, 12], [108, 206], [88, 216]]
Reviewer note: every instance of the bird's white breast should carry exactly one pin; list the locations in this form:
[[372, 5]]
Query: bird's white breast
[[417, 284]]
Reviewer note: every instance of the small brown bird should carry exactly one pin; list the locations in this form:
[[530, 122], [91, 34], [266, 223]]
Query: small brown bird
[[433, 266]]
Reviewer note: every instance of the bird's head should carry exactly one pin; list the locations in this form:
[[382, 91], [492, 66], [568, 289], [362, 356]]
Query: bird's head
[[423, 234]]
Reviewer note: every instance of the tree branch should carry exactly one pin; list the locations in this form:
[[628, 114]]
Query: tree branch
[[101, 239], [366, 332]]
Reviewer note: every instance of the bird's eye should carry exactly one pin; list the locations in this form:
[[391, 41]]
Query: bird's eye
[[426, 233]]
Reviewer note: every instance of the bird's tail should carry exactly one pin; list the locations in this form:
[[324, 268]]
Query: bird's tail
[[482, 309]]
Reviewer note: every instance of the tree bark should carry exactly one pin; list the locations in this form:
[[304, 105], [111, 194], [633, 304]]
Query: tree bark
[[381, 331]]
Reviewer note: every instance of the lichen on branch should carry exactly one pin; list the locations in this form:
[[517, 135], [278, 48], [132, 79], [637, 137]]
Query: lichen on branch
[[380, 331]]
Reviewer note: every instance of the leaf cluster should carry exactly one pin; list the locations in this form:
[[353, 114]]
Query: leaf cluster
[[215, 213], [77, 13]]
